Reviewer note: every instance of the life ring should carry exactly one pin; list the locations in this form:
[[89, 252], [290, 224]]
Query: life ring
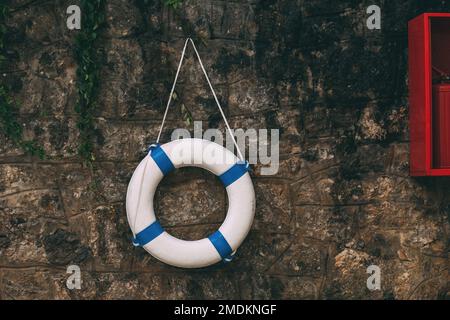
[[149, 233]]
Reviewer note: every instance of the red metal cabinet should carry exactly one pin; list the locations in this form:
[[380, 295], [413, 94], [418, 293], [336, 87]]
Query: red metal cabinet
[[429, 97]]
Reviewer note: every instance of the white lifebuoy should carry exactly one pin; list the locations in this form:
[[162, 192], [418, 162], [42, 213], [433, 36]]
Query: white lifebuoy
[[198, 153]]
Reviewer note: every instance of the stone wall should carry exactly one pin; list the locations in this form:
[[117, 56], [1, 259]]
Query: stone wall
[[342, 200]]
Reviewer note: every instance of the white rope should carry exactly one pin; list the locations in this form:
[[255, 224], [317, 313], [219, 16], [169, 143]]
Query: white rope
[[212, 90], [172, 90], [217, 101]]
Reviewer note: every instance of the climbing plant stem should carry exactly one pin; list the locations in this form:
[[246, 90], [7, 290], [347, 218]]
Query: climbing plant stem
[[9, 125], [87, 56]]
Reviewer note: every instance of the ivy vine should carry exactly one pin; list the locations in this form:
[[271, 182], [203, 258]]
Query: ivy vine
[[87, 58], [86, 54], [173, 3], [9, 124]]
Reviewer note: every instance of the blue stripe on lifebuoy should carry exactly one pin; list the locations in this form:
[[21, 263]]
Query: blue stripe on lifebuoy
[[221, 244], [148, 234], [161, 159], [234, 173]]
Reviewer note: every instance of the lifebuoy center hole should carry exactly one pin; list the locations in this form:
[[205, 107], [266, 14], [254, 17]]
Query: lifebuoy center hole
[[191, 203]]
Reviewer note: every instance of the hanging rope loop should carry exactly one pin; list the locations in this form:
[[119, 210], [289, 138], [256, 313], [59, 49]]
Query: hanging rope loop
[[241, 157]]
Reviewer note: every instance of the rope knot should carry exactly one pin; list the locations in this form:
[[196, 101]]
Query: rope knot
[[229, 258], [246, 163], [153, 146]]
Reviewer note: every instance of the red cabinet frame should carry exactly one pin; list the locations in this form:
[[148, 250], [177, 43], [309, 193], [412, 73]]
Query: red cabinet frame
[[429, 44]]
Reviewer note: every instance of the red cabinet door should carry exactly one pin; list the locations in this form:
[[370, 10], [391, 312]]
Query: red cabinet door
[[441, 125]]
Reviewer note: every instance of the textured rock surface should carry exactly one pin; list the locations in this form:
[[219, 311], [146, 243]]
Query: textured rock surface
[[342, 200]]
